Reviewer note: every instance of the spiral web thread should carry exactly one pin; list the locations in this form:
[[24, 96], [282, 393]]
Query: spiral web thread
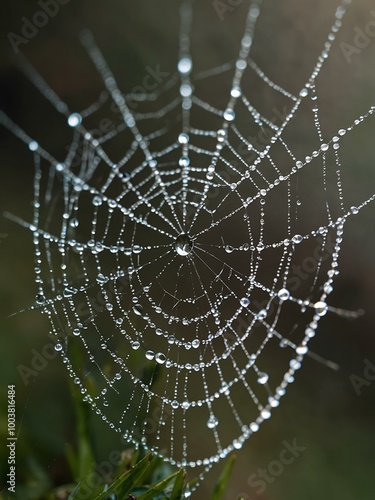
[[159, 260]]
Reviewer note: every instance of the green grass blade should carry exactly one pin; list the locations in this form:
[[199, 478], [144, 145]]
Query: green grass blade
[[223, 480], [178, 485], [157, 470], [74, 493], [128, 480], [158, 488]]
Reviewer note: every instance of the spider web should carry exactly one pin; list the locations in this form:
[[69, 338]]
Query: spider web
[[166, 267]]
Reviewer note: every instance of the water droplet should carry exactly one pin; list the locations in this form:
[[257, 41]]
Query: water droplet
[[283, 294], [184, 161], [237, 444], [69, 292], [262, 378], [186, 90], [241, 64], [297, 238], [294, 364], [185, 65], [245, 301], [235, 92], [160, 358], [40, 299], [328, 288], [97, 201], [321, 308], [138, 310], [74, 120], [33, 146], [195, 343], [183, 245], [101, 279], [262, 314], [265, 413], [212, 422], [229, 248], [310, 332], [304, 92], [254, 13], [354, 210], [183, 138], [150, 355], [273, 402], [76, 332], [254, 427], [229, 115], [224, 389], [135, 345], [302, 349], [187, 493], [185, 405], [58, 347], [73, 222], [221, 135]]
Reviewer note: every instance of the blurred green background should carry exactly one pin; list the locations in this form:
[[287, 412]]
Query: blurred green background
[[322, 410]]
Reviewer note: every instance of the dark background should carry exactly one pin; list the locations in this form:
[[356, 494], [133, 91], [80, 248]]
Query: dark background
[[322, 410]]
